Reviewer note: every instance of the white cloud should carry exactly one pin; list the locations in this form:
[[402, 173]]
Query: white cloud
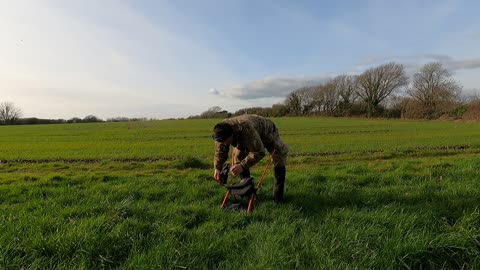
[[214, 91], [464, 64], [413, 62]]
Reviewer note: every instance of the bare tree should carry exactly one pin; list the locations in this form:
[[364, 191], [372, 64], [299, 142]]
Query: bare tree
[[375, 84], [346, 86], [434, 90], [9, 113], [293, 104], [91, 119], [326, 97], [212, 112], [318, 99], [301, 101], [279, 110]]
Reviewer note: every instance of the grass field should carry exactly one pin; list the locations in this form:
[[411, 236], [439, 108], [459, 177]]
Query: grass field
[[360, 194]]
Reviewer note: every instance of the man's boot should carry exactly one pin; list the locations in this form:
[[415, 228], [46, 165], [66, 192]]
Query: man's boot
[[279, 184]]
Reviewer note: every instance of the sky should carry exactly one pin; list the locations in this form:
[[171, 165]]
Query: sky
[[171, 59]]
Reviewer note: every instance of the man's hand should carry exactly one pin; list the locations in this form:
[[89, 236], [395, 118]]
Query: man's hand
[[236, 169], [216, 175]]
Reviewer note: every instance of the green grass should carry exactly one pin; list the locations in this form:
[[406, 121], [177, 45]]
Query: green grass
[[361, 194], [176, 138]]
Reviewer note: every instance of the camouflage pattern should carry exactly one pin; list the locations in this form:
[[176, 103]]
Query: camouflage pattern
[[252, 134]]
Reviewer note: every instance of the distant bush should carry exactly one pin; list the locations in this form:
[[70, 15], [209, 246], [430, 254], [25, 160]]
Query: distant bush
[[91, 119], [472, 111], [38, 121], [412, 109], [458, 111], [126, 119], [392, 113]]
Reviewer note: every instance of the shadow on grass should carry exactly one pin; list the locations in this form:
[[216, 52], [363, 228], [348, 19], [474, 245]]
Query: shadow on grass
[[317, 195], [445, 210], [316, 204], [438, 257]]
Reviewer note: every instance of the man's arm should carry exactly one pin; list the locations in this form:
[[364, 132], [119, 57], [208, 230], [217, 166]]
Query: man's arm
[[220, 156]]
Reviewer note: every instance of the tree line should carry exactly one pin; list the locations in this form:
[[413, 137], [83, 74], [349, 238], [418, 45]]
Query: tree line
[[12, 115], [382, 91]]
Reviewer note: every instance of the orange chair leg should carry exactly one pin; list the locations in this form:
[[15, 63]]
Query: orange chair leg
[[225, 199], [250, 203]]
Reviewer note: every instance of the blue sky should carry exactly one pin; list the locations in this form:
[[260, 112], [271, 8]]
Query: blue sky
[[161, 59]]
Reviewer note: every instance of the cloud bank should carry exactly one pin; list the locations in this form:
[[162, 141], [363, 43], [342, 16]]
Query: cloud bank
[[417, 60], [269, 87]]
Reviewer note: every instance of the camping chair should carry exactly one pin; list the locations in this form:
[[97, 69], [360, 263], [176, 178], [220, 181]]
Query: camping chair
[[245, 187]]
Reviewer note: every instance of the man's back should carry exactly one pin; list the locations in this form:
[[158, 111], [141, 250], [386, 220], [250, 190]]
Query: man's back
[[246, 122]]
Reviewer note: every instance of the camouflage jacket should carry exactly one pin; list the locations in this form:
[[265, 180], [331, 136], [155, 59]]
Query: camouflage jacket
[[251, 134]]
